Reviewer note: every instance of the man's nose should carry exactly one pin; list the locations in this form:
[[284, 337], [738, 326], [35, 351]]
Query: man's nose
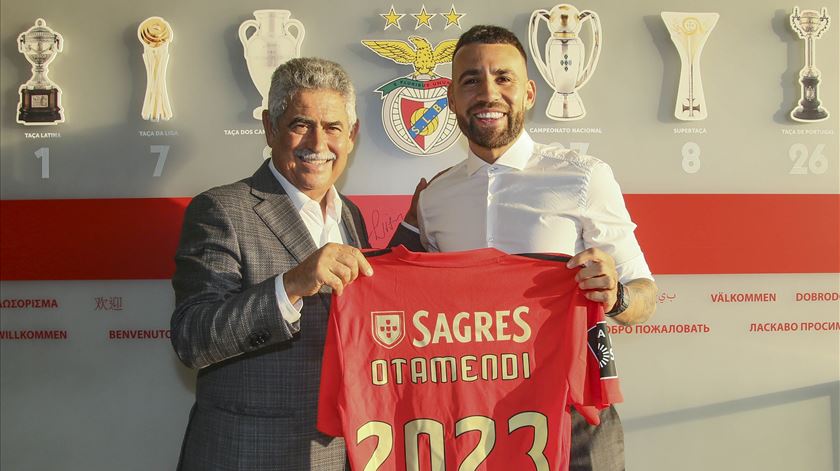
[[316, 139], [489, 90]]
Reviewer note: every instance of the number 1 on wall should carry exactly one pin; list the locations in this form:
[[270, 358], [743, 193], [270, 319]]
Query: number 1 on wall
[[44, 154]]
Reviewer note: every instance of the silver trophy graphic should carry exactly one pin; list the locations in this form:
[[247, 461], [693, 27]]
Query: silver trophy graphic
[[565, 68], [689, 32], [809, 25], [271, 44], [40, 98]]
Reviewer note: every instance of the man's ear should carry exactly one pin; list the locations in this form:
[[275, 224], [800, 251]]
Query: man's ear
[[530, 95], [268, 127], [449, 93], [354, 132]]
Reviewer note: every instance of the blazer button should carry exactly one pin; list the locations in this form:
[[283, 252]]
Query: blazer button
[[259, 338]]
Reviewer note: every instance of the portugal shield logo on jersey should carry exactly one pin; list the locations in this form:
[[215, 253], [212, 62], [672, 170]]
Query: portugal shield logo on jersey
[[388, 327]]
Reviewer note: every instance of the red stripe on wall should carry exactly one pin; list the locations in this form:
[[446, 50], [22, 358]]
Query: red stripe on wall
[[710, 234], [89, 239], [121, 239]]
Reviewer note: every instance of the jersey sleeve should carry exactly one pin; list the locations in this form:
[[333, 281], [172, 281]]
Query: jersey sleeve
[[332, 371], [600, 386]]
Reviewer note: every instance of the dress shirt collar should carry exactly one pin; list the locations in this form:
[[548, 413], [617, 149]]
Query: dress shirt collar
[[300, 200], [516, 157]]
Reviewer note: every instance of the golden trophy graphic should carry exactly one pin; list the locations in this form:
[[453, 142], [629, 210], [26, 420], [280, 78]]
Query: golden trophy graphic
[[155, 34], [40, 98], [689, 32], [271, 45], [564, 68], [809, 25]]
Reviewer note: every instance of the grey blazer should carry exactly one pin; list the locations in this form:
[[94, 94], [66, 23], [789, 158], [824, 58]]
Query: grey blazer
[[258, 377]]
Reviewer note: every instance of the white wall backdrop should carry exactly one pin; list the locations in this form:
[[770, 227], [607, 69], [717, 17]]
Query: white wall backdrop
[[739, 370]]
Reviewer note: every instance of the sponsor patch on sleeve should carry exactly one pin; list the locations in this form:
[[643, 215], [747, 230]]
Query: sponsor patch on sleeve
[[601, 346]]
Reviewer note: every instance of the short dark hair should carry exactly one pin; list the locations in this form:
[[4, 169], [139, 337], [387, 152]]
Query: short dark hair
[[489, 34]]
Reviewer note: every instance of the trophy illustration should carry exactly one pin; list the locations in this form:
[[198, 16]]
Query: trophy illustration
[[564, 68], [689, 32], [271, 45], [155, 34], [809, 25], [40, 98]]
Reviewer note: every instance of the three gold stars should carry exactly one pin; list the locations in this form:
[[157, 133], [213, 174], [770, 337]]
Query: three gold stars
[[453, 18]]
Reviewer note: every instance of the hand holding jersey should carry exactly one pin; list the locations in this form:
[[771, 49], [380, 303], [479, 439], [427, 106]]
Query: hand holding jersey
[[334, 265], [597, 276]]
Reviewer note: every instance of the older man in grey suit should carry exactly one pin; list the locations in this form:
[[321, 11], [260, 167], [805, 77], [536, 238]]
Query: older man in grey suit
[[256, 264]]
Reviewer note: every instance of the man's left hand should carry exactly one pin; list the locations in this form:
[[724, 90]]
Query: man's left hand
[[597, 276]]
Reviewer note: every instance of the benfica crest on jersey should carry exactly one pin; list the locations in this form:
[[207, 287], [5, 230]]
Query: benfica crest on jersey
[[415, 111], [388, 327]]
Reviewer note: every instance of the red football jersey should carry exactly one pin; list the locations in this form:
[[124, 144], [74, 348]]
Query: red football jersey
[[462, 361]]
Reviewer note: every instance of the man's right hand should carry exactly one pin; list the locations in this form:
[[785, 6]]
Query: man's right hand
[[334, 265]]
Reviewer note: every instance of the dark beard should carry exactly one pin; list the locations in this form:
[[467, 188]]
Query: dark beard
[[493, 139]]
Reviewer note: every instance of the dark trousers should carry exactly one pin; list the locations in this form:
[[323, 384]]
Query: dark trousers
[[597, 448]]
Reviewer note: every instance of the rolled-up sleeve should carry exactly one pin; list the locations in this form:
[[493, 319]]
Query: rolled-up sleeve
[[607, 225]]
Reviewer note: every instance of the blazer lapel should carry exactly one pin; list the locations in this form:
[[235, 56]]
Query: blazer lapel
[[278, 213]]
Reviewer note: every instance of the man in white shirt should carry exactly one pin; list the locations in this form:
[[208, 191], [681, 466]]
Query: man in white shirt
[[519, 196], [254, 270]]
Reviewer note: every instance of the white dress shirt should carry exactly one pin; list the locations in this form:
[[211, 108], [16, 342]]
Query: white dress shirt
[[322, 228], [534, 198]]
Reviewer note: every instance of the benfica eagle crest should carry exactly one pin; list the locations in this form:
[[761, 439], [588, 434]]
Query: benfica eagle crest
[[388, 327], [415, 111]]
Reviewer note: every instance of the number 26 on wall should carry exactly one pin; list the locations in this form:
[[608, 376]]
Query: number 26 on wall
[[434, 429], [805, 162]]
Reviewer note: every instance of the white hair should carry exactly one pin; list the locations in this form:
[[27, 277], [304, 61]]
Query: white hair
[[309, 73]]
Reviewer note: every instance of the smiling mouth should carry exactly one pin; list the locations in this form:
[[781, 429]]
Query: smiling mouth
[[315, 159], [488, 118], [489, 115]]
